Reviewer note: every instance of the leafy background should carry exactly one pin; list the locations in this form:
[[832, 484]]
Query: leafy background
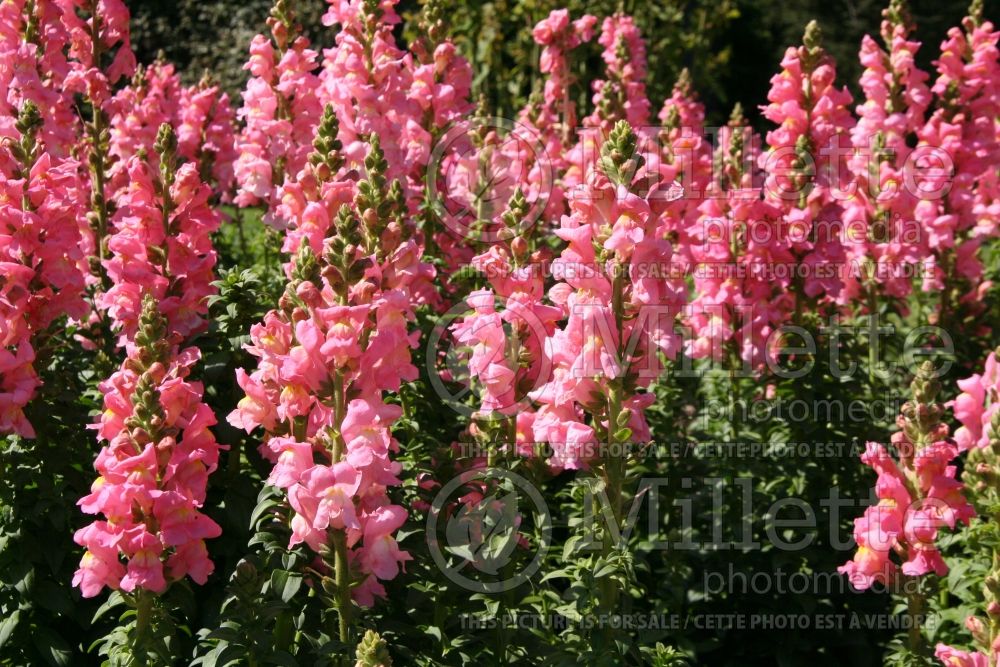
[[732, 47]]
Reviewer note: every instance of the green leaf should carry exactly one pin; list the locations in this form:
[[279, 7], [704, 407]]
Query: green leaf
[[605, 570], [285, 584], [569, 547], [623, 435], [114, 600], [8, 625], [53, 648]]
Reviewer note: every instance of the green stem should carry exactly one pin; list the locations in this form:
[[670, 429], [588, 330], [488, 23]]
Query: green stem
[[734, 391], [945, 294], [341, 568], [233, 464], [342, 579], [614, 467], [143, 624], [916, 605], [872, 299], [96, 143]]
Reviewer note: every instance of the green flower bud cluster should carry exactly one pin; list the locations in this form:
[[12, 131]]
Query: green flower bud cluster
[[147, 422], [619, 158], [921, 416], [26, 151], [326, 157], [373, 651]]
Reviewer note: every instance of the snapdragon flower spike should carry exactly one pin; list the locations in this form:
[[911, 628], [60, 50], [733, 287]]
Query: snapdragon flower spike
[[201, 116], [615, 287], [917, 491], [281, 108], [622, 95], [99, 55], [368, 78], [978, 409], [731, 314], [206, 135], [442, 78], [880, 236], [507, 360], [977, 405], [534, 155], [32, 43], [440, 87], [407, 99], [378, 88], [153, 470], [802, 179], [35, 38], [986, 208], [309, 200], [39, 256], [162, 243], [958, 206], [338, 342], [109, 21], [136, 113], [555, 114], [682, 166]]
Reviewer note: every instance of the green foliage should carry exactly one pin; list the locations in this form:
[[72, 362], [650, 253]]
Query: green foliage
[[212, 37], [44, 620], [496, 38], [732, 48]]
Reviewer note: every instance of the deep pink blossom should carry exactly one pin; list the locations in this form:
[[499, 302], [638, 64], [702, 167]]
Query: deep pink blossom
[[150, 478], [40, 256]]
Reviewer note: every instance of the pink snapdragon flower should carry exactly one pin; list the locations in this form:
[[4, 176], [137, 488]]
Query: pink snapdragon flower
[[206, 126], [367, 79], [136, 113], [977, 405], [918, 494], [99, 56], [957, 152], [622, 95], [40, 254], [153, 471], [804, 167], [733, 244], [201, 116], [162, 244], [507, 359], [85, 75], [616, 257], [281, 108], [339, 340], [881, 236], [555, 117], [36, 70], [952, 657]]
